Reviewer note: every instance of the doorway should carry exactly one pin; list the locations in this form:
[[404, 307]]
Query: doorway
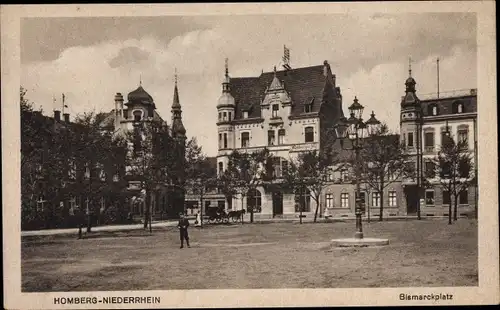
[[277, 204], [412, 199]]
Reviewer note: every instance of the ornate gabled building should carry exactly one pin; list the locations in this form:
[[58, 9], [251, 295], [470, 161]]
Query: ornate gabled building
[[140, 108], [423, 124], [289, 112]]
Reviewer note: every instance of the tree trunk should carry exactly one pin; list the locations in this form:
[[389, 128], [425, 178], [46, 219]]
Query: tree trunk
[[449, 213], [455, 208], [89, 216], [149, 207], [381, 215], [146, 210], [242, 208], [201, 211], [251, 215], [316, 211]]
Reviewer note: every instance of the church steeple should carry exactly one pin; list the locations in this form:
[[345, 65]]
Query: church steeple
[[177, 126]]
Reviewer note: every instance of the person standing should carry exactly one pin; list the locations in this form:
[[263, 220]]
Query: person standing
[[183, 229]]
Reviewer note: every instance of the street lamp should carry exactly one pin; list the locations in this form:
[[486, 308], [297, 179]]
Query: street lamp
[[355, 130]]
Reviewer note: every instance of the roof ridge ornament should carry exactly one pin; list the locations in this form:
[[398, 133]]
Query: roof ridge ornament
[[276, 83]]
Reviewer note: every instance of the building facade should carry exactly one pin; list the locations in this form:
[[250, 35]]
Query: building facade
[[167, 199], [287, 112], [424, 124]]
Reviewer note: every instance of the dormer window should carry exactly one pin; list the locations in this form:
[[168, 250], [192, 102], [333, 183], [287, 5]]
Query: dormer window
[[458, 107], [308, 106], [245, 114], [137, 115], [433, 110], [276, 108]]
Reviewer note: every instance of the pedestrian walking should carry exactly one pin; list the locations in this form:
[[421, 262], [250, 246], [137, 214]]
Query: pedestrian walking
[[183, 229]]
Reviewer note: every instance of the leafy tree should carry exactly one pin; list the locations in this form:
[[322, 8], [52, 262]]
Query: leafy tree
[[247, 171], [383, 162], [201, 176], [295, 179], [150, 160], [455, 166], [313, 168]]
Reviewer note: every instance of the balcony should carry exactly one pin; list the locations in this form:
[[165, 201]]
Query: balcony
[[277, 120], [428, 149]]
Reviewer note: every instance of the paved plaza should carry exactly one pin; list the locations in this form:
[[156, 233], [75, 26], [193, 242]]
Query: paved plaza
[[274, 255]]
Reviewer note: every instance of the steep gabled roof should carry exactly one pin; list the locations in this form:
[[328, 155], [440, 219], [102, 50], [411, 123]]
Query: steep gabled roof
[[304, 85]]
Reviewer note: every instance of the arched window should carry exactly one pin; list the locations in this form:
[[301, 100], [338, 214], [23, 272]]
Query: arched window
[[254, 201], [303, 200]]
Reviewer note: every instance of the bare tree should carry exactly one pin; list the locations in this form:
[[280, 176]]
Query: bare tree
[[455, 165], [383, 162], [201, 176]]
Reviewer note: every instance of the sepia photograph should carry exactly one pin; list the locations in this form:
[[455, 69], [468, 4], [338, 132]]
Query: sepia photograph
[[204, 151]]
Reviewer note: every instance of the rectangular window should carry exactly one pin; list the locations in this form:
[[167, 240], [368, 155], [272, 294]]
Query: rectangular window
[[430, 169], [224, 116], [331, 176], [446, 198], [429, 198], [344, 200], [307, 108], [221, 168], [87, 172], [281, 136], [429, 140], [225, 140], [245, 139], [463, 198], [284, 165], [344, 175], [410, 139], [329, 200], [376, 199], [229, 113], [220, 116], [245, 114], [309, 134], [393, 199], [220, 141], [462, 137], [270, 137], [276, 108]]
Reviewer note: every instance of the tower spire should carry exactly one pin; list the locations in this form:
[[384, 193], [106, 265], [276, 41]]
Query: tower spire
[[409, 66], [227, 80], [227, 67], [177, 126], [140, 79]]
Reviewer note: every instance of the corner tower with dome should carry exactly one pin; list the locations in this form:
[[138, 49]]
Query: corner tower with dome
[[141, 108]]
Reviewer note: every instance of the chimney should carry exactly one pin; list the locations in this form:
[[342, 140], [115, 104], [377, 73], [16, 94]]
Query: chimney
[[119, 104], [326, 68], [473, 91], [66, 117], [57, 115]]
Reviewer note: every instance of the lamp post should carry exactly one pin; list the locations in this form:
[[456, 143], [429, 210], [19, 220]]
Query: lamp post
[[355, 130]]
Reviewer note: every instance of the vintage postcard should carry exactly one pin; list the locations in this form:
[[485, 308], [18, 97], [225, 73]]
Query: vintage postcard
[[236, 155]]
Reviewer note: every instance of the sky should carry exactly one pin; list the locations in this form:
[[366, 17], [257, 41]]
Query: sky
[[91, 59]]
